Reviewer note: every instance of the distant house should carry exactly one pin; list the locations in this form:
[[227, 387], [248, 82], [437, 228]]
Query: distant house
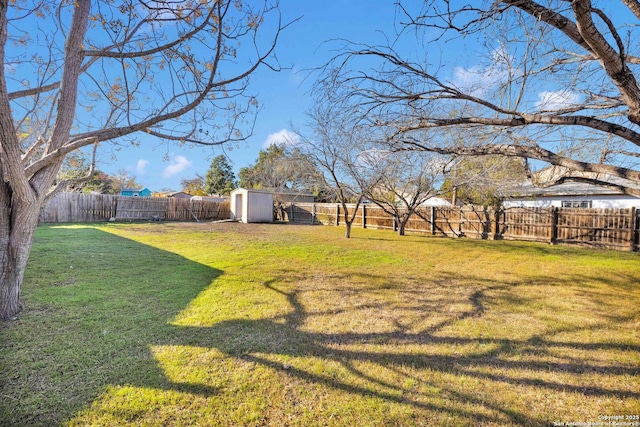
[[571, 191], [436, 201], [135, 192], [179, 195], [174, 194]]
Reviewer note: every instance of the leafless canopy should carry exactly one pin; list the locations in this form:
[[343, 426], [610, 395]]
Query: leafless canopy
[[554, 81], [77, 73]]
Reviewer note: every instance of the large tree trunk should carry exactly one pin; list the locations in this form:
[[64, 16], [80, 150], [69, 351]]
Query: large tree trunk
[[18, 222]]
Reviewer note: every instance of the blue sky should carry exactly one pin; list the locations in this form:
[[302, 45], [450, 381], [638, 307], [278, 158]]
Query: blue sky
[[283, 96]]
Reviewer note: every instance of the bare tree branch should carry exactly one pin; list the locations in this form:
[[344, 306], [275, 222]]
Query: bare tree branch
[[557, 73], [634, 6], [531, 152], [61, 185], [612, 61], [173, 70]]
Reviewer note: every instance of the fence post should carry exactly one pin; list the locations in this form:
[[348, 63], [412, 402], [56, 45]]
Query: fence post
[[635, 232], [433, 220], [337, 215], [364, 216], [313, 213], [496, 225], [554, 226], [486, 226], [291, 218]]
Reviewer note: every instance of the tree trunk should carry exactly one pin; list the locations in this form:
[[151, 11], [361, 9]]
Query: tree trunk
[[401, 225], [347, 231], [403, 220], [18, 222]]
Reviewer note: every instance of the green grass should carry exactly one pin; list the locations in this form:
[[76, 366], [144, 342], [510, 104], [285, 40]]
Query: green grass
[[232, 324]]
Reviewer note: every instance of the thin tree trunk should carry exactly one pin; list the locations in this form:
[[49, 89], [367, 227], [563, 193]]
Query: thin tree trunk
[[401, 225], [403, 220], [347, 232]]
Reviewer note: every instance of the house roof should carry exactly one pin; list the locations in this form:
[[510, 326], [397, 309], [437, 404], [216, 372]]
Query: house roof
[[569, 184], [252, 190], [288, 192], [564, 189], [170, 193], [276, 191]]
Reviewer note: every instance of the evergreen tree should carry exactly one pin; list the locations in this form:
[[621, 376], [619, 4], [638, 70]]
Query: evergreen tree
[[220, 178]]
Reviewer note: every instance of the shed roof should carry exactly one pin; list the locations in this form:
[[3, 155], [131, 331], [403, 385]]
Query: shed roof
[[252, 190]]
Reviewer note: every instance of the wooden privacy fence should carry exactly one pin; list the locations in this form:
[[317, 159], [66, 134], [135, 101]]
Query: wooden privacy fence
[[78, 207], [605, 228]]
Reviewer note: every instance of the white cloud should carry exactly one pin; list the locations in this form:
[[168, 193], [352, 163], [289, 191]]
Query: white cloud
[[296, 76], [141, 166], [178, 164], [282, 137], [557, 100], [479, 79]]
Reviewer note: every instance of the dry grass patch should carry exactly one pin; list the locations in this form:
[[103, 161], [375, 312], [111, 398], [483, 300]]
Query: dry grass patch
[[231, 324]]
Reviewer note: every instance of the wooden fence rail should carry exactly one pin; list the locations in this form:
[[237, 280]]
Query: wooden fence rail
[[78, 207], [604, 228]]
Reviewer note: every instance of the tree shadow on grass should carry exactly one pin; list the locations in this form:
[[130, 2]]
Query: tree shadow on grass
[[89, 334], [94, 304], [258, 341]]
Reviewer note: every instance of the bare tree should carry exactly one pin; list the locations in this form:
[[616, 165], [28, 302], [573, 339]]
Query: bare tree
[[85, 72], [554, 81], [336, 147], [404, 181]]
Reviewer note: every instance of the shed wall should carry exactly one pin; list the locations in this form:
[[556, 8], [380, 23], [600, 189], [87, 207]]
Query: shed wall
[[259, 207], [251, 205]]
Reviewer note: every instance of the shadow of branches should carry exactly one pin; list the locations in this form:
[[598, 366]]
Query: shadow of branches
[[542, 361]]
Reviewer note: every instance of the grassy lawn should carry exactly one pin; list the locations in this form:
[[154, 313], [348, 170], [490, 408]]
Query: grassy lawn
[[231, 324]]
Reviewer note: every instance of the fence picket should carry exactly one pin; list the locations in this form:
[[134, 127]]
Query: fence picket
[[613, 228], [78, 207]]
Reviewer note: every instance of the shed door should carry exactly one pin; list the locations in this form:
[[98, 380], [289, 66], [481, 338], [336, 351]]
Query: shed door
[[239, 206]]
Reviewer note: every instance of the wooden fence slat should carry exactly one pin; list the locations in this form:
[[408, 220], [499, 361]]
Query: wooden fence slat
[[78, 207], [614, 228]]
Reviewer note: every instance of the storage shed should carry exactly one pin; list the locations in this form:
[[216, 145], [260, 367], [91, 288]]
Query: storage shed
[[248, 205]]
